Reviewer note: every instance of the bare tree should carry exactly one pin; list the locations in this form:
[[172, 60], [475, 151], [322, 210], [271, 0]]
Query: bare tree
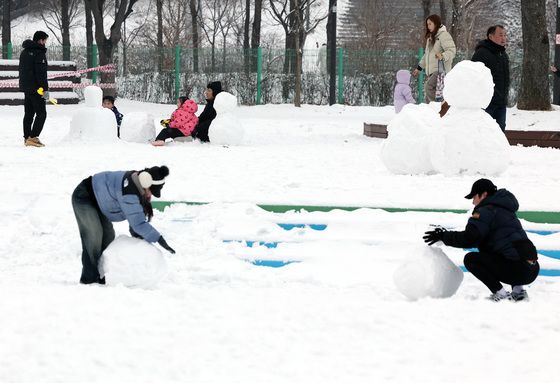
[[6, 27], [536, 51], [107, 44], [60, 17], [209, 17], [227, 22], [426, 5], [256, 33], [443, 12]]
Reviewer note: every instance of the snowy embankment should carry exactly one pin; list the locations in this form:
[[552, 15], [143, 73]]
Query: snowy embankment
[[333, 316]]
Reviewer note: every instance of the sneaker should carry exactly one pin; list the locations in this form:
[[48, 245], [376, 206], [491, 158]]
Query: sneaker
[[500, 297], [520, 296], [34, 141], [158, 143]]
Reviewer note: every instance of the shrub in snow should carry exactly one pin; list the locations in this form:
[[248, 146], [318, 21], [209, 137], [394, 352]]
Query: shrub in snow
[[429, 274], [132, 262], [406, 149], [226, 129], [138, 127], [469, 85]]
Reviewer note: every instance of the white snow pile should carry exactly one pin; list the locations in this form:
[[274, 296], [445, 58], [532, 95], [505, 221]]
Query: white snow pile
[[406, 149], [93, 123], [138, 127], [226, 129], [132, 262], [429, 274], [465, 141]]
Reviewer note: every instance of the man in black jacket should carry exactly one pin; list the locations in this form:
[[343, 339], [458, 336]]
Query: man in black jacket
[[208, 114], [505, 252], [492, 53], [32, 76]]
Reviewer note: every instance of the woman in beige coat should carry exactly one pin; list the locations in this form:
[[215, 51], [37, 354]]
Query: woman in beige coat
[[439, 46]]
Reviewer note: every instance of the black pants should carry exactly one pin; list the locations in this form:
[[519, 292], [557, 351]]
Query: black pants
[[96, 231], [491, 269], [201, 131], [35, 107], [169, 133]]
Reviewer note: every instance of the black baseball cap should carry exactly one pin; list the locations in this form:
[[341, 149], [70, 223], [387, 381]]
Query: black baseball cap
[[480, 186]]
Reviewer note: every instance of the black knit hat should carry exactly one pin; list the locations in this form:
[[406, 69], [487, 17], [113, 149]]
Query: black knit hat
[[40, 35], [154, 178], [216, 87], [480, 186]]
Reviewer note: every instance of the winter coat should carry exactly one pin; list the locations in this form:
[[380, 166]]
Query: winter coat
[[204, 121], [117, 201], [444, 44], [494, 228], [33, 67], [184, 117], [403, 93], [495, 58]]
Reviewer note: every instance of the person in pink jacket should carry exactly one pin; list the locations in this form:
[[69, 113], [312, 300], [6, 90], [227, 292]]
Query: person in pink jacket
[[403, 92], [181, 124]]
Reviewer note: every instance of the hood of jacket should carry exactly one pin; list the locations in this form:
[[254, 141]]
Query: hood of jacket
[[441, 30], [490, 45], [502, 198], [189, 106], [30, 44], [403, 77]]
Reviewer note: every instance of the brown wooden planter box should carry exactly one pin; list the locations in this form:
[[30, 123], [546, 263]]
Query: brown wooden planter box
[[540, 138]]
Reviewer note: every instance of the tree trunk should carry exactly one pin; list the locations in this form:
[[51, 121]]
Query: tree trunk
[[159, 11], [65, 29], [256, 35], [455, 19], [298, 28], [331, 50], [534, 88], [6, 27], [246, 37], [194, 22], [89, 37], [426, 5], [443, 12]]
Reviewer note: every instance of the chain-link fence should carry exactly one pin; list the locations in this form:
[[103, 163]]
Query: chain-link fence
[[259, 76]]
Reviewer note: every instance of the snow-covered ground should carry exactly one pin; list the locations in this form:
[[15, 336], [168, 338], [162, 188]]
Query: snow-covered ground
[[334, 315]]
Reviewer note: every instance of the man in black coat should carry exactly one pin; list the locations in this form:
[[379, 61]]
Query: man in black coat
[[208, 114], [492, 53], [505, 252], [32, 76]]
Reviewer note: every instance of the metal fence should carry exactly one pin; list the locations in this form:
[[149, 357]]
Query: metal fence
[[259, 76]]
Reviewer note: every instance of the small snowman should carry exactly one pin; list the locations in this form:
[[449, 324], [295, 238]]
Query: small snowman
[[93, 123], [470, 142], [226, 129]]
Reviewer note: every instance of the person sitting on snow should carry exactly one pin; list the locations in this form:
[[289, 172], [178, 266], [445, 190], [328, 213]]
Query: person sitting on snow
[[110, 197], [109, 103], [181, 124], [505, 252], [209, 113]]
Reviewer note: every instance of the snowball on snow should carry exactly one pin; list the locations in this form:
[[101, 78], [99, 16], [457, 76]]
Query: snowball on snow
[[469, 85], [225, 102], [471, 142], [226, 129], [429, 274], [406, 149], [94, 125], [94, 96], [132, 262], [138, 127]]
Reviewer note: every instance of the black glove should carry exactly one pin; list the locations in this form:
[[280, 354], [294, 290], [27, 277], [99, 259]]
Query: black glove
[[164, 244], [134, 234], [433, 236]]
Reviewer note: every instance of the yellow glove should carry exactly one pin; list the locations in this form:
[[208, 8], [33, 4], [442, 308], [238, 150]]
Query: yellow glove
[[46, 96], [165, 123]]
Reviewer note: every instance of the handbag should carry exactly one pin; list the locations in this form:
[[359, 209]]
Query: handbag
[[440, 81]]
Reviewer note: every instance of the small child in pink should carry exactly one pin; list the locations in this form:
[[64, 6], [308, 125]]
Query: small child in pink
[[181, 124]]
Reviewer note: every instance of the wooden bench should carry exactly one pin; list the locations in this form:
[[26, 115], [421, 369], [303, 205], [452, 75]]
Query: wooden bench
[[540, 138], [60, 88]]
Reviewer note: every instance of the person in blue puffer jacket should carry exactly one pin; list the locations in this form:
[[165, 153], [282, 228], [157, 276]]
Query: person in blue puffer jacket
[[505, 253], [110, 197]]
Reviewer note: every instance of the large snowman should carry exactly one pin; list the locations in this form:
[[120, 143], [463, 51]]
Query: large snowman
[[471, 142], [93, 123], [465, 141]]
